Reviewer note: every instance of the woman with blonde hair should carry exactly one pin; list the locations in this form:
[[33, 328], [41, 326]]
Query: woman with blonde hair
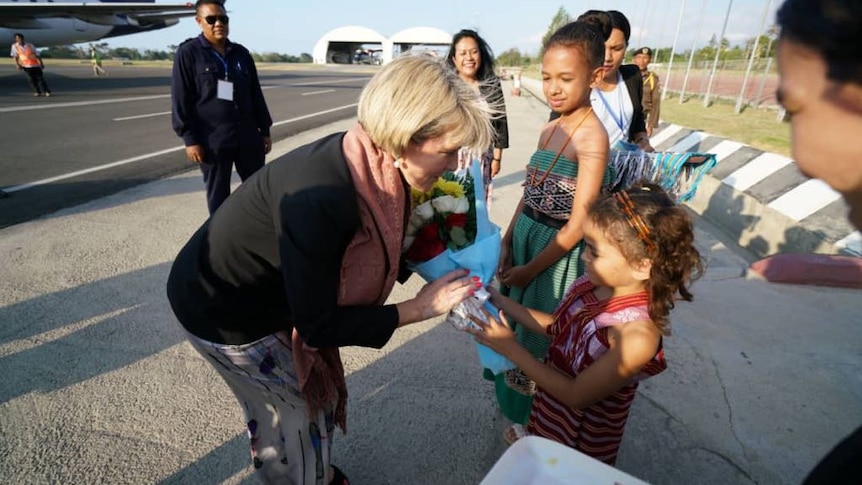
[[302, 258]]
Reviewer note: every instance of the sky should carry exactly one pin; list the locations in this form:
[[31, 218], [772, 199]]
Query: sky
[[294, 26]]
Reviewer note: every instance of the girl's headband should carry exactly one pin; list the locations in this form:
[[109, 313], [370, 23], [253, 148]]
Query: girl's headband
[[633, 217]]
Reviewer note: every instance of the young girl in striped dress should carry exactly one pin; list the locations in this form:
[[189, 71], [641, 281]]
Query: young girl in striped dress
[[539, 257], [607, 331]]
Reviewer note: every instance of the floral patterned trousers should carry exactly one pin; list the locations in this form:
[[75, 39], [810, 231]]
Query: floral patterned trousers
[[287, 445]]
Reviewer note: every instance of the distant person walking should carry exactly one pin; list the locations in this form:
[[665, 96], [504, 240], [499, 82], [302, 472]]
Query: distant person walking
[[27, 59], [651, 101], [218, 107], [96, 60]]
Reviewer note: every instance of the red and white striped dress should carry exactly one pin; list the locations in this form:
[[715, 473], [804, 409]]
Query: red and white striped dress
[[580, 337]]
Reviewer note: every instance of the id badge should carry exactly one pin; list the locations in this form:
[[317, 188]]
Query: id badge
[[225, 90]]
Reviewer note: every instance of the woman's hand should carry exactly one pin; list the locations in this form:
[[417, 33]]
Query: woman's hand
[[439, 297], [519, 276], [495, 333]]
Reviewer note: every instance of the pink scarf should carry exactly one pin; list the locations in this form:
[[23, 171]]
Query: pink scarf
[[369, 268]]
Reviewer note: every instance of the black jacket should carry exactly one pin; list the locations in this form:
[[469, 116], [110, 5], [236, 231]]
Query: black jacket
[[199, 117], [634, 84], [270, 258]]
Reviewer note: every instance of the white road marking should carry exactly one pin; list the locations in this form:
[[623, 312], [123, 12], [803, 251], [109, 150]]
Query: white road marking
[[806, 199], [312, 93], [74, 104], [725, 149], [30, 185], [312, 115], [664, 134], [148, 115], [756, 170], [687, 143], [851, 243], [32, 107]]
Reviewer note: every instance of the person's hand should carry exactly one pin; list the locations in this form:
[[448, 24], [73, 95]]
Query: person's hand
[[649, 131], [441, 295], [267, 144], [494, 333], [495, 168], [195, 153], [505, 263], [496, 297], [519, 276], [645, 146]]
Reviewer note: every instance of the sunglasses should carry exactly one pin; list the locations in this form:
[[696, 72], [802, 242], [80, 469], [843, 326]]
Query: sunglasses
[[212, 19]]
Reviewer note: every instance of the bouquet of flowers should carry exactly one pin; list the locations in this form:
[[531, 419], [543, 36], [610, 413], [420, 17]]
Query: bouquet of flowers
[[449, 229]]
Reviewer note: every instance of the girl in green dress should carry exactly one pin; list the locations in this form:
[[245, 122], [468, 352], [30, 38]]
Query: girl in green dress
[[540, 255]]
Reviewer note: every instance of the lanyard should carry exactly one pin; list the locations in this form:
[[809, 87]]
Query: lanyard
[[223, 63], [620, 122]]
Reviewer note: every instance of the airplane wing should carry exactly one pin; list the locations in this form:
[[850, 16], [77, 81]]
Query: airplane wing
[[27, 15]]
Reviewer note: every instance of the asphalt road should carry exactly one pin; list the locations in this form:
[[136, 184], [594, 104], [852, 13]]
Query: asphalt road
[[97, 136]]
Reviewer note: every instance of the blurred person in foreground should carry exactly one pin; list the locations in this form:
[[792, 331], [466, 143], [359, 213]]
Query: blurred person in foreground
[[820, 86], [300, 260]]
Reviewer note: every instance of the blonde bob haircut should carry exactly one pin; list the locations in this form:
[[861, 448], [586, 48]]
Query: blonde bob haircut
[[417, 97]]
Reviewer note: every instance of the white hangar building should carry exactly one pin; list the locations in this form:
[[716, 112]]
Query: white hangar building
[[340, 46]]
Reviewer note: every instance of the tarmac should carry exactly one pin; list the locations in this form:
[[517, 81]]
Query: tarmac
[[100, 387]]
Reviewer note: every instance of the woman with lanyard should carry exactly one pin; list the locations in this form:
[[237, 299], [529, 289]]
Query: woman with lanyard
[[616, 99]]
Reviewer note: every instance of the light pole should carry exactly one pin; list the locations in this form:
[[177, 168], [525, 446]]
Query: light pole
[[717, 53], [691, 51], [673, 50], [741, 97]]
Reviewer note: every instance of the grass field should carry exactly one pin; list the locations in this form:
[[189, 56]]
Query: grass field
[[755, 127]]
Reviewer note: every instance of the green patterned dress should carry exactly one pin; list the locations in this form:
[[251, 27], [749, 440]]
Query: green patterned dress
[[548, 198]]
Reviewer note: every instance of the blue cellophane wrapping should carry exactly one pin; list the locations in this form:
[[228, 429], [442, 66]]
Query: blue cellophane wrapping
[[481, 258]]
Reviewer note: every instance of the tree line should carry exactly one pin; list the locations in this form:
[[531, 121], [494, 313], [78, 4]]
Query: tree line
[[131, 54], [765, 48]]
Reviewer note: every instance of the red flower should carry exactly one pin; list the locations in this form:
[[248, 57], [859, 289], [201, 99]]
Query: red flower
[[429, 232], [456, 220], [427, 244]]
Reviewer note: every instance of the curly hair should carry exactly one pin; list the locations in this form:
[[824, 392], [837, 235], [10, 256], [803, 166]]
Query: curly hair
[[676, 263]]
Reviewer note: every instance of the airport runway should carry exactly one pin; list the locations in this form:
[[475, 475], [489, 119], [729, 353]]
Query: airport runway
[[97, 136]]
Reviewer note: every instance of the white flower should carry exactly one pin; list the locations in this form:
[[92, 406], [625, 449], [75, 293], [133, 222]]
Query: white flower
[[451, 205], [425, 211], [463, 205], [419, 217]]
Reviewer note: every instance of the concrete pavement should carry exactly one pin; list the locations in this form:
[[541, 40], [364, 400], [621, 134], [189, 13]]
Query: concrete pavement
[[100, 387]]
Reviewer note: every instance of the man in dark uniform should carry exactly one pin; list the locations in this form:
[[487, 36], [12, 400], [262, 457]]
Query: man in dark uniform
[[651, 100], [217, 104]]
